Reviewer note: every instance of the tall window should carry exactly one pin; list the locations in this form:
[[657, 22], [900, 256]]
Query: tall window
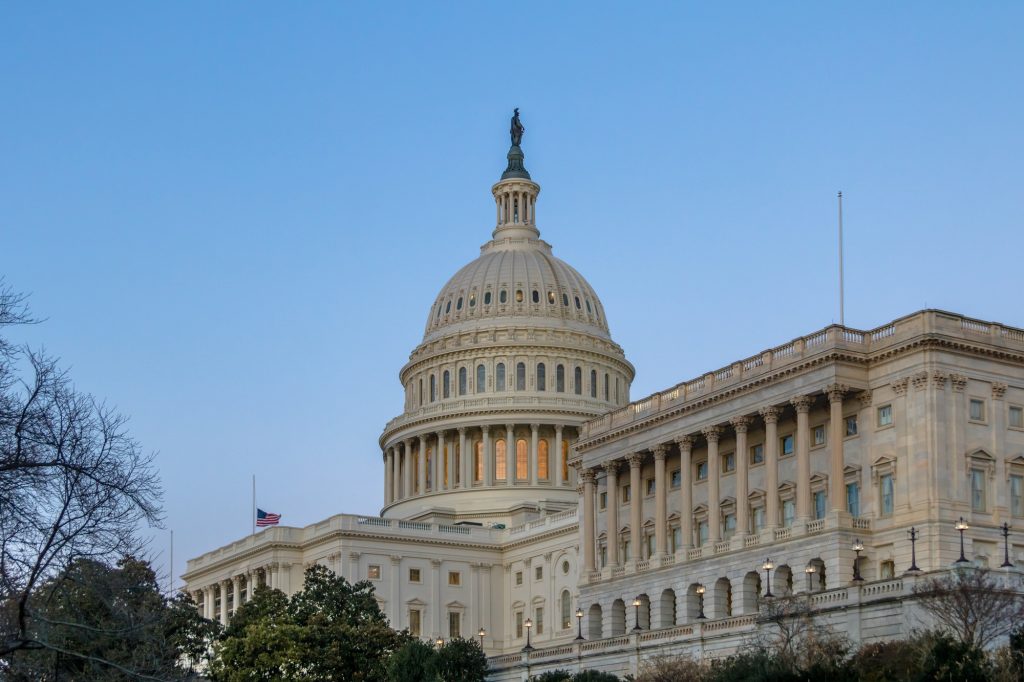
[[978, 502], [454, 624], [788, 513], [500, 472], [541, 377], [729, 524], [560, 378], [758, 516], [538, 619], [593, 383], [677, 539], [499, 377], [421, 392], [522, 460], [819, 504], [478, 461], [885, 415], [1017, 495], [885, 496], [542, 458], [577, 380], [414, 622], [433, 388], [481, 378], [565, 460], [566, 610], [853, 498], [462, 381], [702, 533], [606, 386], [521, 377], [446, 385], [519, 624]]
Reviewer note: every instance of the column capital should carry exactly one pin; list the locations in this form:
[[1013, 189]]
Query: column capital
[[587, 475], [510, 427], [899, 386], [611, 466], [712, 433], [440, 433], [685, 443], [535, 427], [865, 398], [770, 414], [802, 403], [462, 431], [835, 392], [558, 428], [958, 381], [939, 379], [635, 459], [740, 424], [408, 442], [998, 390], [660, 451], [485, 429]]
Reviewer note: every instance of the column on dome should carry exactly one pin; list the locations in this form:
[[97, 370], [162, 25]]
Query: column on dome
[[802, 404], [440, 461], [611, 511], [685, 444], [510, 454], [636, 506], [771, 464], [388, 459], [421, 466], [465, 461], [588, 520], [407, 468], [534, 459], [486, 455], [396, 473], [660, 503], [838, 432], [557, 464], [713, 433], [740, 426]]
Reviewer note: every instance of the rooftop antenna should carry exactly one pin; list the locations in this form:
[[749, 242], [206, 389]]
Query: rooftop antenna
[[842, 320]]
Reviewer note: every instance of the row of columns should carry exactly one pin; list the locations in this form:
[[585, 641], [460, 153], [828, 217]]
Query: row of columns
[[402, 456], [712, 434], [207, 595], [506, 203]]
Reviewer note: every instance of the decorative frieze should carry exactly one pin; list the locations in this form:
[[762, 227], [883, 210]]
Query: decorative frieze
[[899, 386]]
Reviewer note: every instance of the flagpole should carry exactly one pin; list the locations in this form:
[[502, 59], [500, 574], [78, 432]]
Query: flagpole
[[171, 591], [842, 320], [254, 505]]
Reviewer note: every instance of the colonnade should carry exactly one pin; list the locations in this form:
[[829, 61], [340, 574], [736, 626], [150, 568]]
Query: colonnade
[[414, 467], [515, 207], [712, 435], [237, 585]]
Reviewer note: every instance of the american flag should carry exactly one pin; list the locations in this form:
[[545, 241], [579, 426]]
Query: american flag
[[266, 518]]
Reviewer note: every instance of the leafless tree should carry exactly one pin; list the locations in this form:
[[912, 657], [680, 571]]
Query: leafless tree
[[73, 482], [797, 638], [972, 605]]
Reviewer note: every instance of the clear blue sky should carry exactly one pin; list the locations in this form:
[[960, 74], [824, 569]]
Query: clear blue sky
[[235, 216]]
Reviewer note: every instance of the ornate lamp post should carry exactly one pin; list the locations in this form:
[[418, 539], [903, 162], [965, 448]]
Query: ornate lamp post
[[439, 642], [700, 601], [636, 612], [858, 547], [810, 570], [767, 567], [1006, 546], [528, 624], [961, 526], [913, 550], [579, 623], [481, 634]]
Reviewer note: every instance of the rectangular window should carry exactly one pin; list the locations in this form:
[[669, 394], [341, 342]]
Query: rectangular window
[[702, 471], [885, 415], [819, 434], [730, 525], [757, 454], [454, 578], [604, 556], [626, 551], [788, 512], [602, 500], [454, 624], [677, 479], [677, 539], [414, 622], [538, 620], [786, 445], [819, 504], [853, 499], [759, 517], [538, 572], [886, 494], [729, 462], [519, 624], [978, 502], [649, 545], [1017, 495], [519, 577], [626, 494], [414, 575], [1016, 417], [702, 533], [977, 410], [851, 426], [373, 572], [887, 569], [650, 486]]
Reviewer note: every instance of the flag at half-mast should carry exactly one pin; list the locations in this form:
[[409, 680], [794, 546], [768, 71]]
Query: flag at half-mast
[[266, 518]]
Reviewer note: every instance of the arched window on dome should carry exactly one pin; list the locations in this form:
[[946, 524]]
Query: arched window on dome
[[606, 386], [551, 297], [536, 296], [462, 381], [421, 393], [565, 460], [588, 306], [487, 298], [499, 377], [478, 461], [481, 378], [448, 307], [578, 306], [472, 300], [560, 378], [446, 385], [458, 304], [542, 459], [541, 377], [433, 388], [503, 296], [440, 307], [577, 380], [522, 460], [593, 383], [565, 300], [521, 377], [519, 295], [500, 472]]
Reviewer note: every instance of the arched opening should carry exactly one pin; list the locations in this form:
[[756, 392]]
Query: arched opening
[[816, 580], [522, 460], [782, 581], [500, 470], [481, 378], [593, 383], [723, 598], [433, 388], [667, 609], [462, 381], [594, 618], [565, 602], [478, 461], [560, 378], [694, 602], [542, 459], [446, 385], [521, 377], [577, 381], [541, 377], [644, 612], [751, 591], [618, 621], [499, 377]]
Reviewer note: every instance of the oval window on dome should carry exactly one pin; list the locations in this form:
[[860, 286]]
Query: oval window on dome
[[588, 305], [577, 302], [458, 304], [536, 296], [551, 297], [487, 298], [565, 300], [472, 300], [519, 295], [448, 308], [503, 296]]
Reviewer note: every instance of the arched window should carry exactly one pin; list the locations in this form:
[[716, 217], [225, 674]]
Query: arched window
[[458, 304], [565, 300], [522, 460], [578, 307], [551, 297], [446, 385], [478, 461], [519, 295], [499, 377], [462, 381], [606, 386], [566, 610], [588, 305], [541, 377], [448, 307], [433, 388], [560, 378], [500, 472], [565, 460], [472, 300], [421, 392], [481, 378], [577, 380], [521, 377], [487, 298], [503, 296], [593, 383], [542, 458]]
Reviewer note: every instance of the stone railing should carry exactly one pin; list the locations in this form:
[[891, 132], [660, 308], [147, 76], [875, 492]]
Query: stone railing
[[835, 337], [457, 407]]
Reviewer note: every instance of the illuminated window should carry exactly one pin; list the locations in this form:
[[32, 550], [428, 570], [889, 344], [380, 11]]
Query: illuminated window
[[565, 460], [414, 575], [542, 458], [522, 459], [454, 624], [500, 472], [414, 622], [551, 297], [454, 578], [519, 295], [478, 461], [472, 300], [373, 572]]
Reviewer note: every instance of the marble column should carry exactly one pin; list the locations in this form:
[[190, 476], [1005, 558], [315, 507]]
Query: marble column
[[440, 460], [558, 456], [224, 585], [534, 459], [208, 603], [611, 511], [236, 593], [660, 501], [636, 506], [510, 454], [588, 520], [407, 490], [837, 432], [803, 403], [486, 440], [421, 464], [388, 483], [685, 444], [771, 465], [740, 425], [713, 433], [465, 461]]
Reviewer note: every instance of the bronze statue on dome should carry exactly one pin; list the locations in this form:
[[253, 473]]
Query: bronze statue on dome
[[517, 129]]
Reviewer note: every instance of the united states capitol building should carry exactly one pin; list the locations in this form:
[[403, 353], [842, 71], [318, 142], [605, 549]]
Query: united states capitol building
[[527, 499]]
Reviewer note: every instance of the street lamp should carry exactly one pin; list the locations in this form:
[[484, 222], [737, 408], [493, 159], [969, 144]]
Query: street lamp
[[913, 550], [579, 622], [858, 547], [1006, 546], [439, 642], [528, 624], [810, 570], [767, 567], [961, 526], [700, 601], [636, 611], [481, 634]]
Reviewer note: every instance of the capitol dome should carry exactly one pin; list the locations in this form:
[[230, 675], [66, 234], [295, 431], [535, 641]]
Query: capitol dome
[[516, 355]]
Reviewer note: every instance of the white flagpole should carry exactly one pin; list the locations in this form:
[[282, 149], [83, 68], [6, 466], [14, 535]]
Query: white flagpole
[[254, 505], [171, 591], [842, 320]]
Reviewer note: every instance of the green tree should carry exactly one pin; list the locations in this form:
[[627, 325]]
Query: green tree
[[554, 676], [415, 661], [461, 660], [594, 676]]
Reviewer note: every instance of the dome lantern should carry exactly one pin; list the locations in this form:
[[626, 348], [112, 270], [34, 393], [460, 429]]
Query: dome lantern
[[515, 194]]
